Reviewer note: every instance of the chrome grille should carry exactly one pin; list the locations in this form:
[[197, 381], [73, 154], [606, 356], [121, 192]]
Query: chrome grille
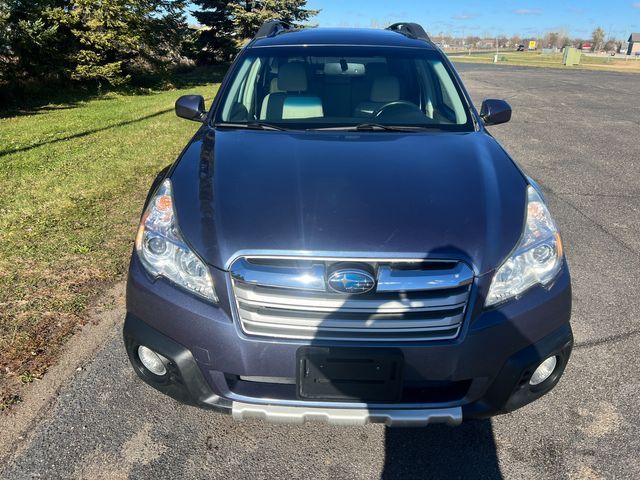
[[289, 298]]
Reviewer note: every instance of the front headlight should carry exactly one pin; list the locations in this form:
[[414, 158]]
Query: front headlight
[[163, 251], [537, 259]]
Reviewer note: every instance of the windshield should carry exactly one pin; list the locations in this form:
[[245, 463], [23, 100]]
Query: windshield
[[335, 87]]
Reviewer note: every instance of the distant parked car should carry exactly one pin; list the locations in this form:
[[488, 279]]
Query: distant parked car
[[519, 48]]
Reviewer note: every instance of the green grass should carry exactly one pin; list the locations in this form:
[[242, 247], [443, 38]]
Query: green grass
[[73, 178], [554, 60]]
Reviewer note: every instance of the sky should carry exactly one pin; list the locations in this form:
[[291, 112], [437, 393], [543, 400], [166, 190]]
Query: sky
[[487, 18]]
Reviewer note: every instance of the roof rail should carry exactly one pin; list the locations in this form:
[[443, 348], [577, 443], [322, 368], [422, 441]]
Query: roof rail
[[412, 29], [272, 27]]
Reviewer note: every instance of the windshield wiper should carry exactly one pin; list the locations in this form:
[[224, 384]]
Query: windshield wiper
[[372, 127], [251, 125]]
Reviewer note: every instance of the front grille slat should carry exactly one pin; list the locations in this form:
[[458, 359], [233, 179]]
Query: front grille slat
[[268, 330], [335, 328], [390, 280], [348, 319], [305, 301], [413, 301]]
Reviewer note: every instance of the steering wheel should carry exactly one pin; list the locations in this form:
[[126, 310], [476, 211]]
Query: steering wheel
[[395, 105]]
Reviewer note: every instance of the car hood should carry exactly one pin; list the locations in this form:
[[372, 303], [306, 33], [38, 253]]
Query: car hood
[[433, 195]]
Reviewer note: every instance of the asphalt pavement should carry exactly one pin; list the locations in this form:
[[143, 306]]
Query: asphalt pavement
[[578, 134]]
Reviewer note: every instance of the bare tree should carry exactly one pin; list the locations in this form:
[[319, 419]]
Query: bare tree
[[563, 38], [611, 45], [471, 41], [597, 39], [551, 39]]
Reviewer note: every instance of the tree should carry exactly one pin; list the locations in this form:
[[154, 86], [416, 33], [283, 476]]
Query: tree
[[5, 31], [118, 37], [226, 23], [551, 39], [216, 38], [563, 38], [471, 41], [108, 34], [597, 39], [249, 15], [165, 35], [51, 41], [611, 45], [33, 45]]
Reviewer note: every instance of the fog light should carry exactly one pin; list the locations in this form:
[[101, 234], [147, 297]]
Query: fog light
[[544, 371], [152, 361]]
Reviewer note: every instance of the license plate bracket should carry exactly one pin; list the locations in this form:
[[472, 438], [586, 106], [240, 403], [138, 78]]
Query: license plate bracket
[[349, 374]]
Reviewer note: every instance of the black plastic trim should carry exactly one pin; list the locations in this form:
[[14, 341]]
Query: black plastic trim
[[184, 380], [414, 30], [510, 389], [272, 27]]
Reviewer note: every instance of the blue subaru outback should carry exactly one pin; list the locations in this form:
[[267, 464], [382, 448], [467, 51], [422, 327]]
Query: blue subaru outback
[[343, 241]]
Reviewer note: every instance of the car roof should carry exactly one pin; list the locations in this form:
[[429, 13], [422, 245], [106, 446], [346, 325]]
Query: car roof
[[342, 36]]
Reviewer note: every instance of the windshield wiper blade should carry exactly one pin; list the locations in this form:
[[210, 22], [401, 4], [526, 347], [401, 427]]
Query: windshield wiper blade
[[379, 126], [372, 127], [251, 125]]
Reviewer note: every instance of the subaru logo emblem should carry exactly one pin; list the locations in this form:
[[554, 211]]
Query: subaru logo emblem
[[351, 281]]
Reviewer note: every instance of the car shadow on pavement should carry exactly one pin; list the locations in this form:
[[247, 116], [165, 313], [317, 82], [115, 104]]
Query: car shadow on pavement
[[440, 451]]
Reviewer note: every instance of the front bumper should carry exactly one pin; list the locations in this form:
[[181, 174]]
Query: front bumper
[[482, 373]]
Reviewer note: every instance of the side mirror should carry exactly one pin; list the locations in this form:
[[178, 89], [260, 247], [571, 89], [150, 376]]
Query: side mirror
[[495, 111], [191, 107]]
